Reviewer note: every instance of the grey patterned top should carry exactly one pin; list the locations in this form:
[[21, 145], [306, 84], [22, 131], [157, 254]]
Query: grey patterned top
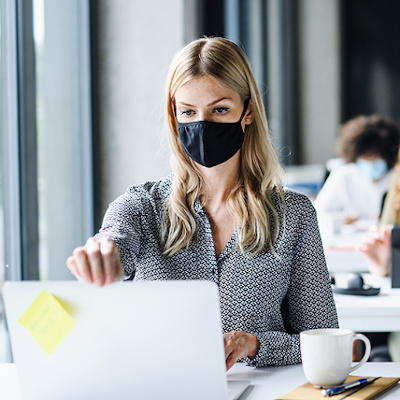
[[273, 296]]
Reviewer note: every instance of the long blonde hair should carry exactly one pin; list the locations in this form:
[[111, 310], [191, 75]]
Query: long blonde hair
[[260, 172]]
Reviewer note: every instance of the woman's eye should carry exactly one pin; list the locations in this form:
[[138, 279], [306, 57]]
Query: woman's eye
[[220, 110], [188, 113]]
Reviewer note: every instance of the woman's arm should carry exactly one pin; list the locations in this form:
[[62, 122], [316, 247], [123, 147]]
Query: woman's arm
[[309, 302], [376, 251]]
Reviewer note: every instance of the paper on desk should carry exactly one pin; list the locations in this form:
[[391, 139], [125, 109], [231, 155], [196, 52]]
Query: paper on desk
[[47, 321], [372, 391]]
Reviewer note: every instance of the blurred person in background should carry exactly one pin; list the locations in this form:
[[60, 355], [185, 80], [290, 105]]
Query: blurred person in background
[[376, 248], [355, 190]]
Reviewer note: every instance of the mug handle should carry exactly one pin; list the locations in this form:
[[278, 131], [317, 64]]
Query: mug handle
[[360, 336]]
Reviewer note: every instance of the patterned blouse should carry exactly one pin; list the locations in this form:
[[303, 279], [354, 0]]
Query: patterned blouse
[[273, 296]]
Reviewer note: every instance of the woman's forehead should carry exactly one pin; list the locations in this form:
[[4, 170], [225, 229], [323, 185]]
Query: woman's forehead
[[205, 88]]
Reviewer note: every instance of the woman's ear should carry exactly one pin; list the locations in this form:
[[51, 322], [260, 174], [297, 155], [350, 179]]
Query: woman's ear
[[249, 116]]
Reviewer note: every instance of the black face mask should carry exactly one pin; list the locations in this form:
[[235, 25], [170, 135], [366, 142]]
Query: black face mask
[[211, 143]]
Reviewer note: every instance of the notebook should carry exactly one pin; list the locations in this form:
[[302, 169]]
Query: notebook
[[371, 391], [127, 340]]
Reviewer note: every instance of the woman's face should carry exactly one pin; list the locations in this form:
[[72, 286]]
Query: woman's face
[[203, 99], [372, 165]]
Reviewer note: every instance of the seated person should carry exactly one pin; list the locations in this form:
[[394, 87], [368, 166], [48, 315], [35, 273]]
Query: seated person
[[222, 216], [368, 145], [376, 247]]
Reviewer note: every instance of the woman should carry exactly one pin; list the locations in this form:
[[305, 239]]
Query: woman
[[222, 216], [376, 248], [377, 245]]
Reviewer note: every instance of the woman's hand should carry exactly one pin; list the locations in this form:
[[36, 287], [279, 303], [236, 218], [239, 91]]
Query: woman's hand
[[97, 261], [239, 345], [376, 251]]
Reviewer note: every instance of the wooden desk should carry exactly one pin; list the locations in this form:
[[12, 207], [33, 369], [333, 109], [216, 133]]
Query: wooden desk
[[270, 382], [266, 383]]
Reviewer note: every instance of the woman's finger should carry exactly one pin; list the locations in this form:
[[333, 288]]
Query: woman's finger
[[82, 266], [231, 360], [95, 261], [238, 345], [98, 261], [111, 260], [72, 266], [235, 348]]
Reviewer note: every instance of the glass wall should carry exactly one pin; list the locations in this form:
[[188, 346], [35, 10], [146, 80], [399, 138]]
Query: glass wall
[[63, 120], [46, 202], [2, 264], [10, 255]]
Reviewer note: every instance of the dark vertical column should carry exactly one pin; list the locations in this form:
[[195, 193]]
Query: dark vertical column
[[96, 116], [290, 68], [27, 141]]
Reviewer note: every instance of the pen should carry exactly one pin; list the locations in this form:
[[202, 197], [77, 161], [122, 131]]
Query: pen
[[359, 388], [342, 388]]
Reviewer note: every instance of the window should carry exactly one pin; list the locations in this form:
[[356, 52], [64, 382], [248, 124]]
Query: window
[[372, 61], [9, 187], [46, 161], [2, 265], [63, 115]]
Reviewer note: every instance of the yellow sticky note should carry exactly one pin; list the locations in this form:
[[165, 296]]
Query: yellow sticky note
[[47, 321]]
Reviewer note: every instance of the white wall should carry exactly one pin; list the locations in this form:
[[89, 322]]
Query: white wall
[[63, 114], [319, 77], [137, 41]]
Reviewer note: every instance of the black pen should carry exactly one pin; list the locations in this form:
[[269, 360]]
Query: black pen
[[340, 389]]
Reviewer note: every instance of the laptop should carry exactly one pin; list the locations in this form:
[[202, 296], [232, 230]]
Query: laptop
[[128, 340]]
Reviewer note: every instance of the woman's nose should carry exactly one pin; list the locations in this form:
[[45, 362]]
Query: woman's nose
[[202, 116]]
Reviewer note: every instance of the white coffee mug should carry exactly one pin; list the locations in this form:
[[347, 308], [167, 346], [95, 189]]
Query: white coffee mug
[[327, 354]]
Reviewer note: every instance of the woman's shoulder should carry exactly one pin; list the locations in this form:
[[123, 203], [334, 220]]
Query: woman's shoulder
[[294, 198], [151, 192], [291, 202], [157, 190]]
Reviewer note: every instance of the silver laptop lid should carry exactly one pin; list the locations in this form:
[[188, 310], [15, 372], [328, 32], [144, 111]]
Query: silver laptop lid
[[129, 340]]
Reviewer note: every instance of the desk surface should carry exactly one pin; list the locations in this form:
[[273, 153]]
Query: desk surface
[[266, 383], [271, 382], [379, 313]]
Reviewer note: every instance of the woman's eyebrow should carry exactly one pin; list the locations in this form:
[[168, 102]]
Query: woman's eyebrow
[[221, 99], [182, 103]]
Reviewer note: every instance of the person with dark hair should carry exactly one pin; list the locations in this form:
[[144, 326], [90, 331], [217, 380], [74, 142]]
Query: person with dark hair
[[368, 145]]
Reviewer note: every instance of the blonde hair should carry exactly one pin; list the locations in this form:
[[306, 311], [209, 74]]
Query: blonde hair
[[396, 189], [260, 172]]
